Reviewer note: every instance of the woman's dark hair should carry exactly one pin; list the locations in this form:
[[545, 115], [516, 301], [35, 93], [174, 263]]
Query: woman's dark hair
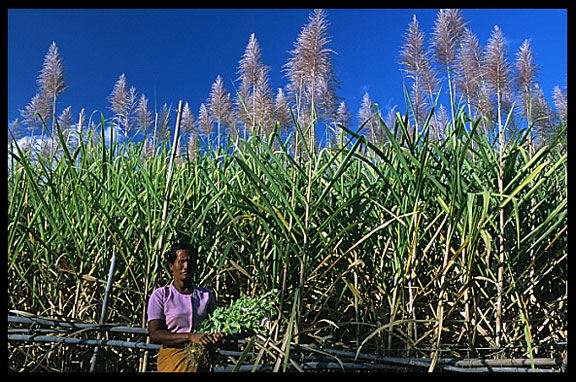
[[171, 255]]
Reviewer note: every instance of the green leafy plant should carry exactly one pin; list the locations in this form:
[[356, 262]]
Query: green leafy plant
[[242, 316]]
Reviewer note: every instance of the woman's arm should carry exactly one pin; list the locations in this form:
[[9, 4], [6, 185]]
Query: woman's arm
[[159, 334]]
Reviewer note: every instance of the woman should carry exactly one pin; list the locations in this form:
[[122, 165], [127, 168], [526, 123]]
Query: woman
[[175, 310]]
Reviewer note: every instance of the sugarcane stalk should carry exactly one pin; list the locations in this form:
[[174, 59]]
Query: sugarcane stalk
[[167, 189], [154, 282]]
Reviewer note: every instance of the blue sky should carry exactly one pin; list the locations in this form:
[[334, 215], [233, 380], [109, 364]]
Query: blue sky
[[176, 54]]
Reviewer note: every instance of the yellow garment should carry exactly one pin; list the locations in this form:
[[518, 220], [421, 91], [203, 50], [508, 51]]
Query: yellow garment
[[177, 359]]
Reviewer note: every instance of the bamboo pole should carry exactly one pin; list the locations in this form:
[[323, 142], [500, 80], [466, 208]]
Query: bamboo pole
[[82, 341], [342, 355], [104, 308], [78, 325], [316, 358], [351, 366]]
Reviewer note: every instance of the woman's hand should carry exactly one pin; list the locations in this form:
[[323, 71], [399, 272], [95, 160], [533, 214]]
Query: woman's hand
[[220, 338], [206, 339]]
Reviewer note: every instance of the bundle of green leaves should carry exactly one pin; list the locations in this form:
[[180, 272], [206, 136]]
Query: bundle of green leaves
[[244, 315]]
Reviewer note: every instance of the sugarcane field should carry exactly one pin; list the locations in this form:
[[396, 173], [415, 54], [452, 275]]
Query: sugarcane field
[[427, 237]]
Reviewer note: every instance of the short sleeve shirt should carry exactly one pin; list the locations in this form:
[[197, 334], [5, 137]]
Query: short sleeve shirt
[[181, 312]]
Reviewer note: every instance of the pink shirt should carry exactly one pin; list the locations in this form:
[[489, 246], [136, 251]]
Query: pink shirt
[[182, 312]]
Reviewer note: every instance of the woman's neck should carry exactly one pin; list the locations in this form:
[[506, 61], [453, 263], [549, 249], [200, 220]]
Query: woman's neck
[[183, 286]]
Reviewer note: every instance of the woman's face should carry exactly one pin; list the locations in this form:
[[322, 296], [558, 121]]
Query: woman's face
[[183, 266]]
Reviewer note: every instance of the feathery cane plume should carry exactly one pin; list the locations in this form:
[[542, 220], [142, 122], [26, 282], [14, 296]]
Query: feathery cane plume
[[64, 121], [390, 117], [496, 66], [204, 123], [37, 107], [253, 74], [143, 115], [526, 68], [282, 110], [219, 102], [561, 103], [342, 117], [80, 124], [448, 30], [144, 122], [250, 65], [415, 62], [526, 71], [468, 67], [439, 123], [122, 103], [162, 130], [65, 118], [188, 122], [14, 131], [192, 146], [496, 72], [220, 105], [367, 117], [51, 80], [470, 77], [412, 52], [343, 114], [188, 125], [312, 84], [263, 104], [541, 114], [119, 95]]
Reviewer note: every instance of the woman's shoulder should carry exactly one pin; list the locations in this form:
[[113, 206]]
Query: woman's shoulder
[[205, 295], [162, 291], [203, 290]]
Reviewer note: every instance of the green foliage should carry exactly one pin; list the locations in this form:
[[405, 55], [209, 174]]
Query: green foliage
[[339, 225], [244, 315]]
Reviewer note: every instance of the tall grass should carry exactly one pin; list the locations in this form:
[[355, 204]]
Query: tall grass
[[393, 248]]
